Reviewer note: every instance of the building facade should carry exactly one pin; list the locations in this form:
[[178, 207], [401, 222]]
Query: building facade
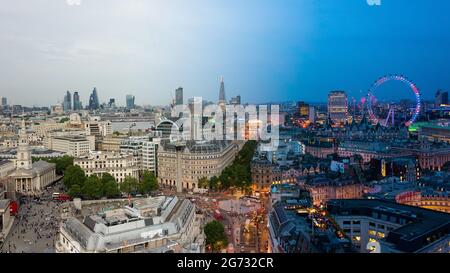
[[388, 227], [118, 165], [338, 107], [30, 178], [181, 165]]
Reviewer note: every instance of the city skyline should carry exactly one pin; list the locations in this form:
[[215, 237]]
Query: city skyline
[[285, 52]]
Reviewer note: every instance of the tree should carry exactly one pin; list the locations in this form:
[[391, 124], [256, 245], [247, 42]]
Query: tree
[[62, 163], [238, 174], [109, 186], [215, 235], [203, 183], [92, 188], [64, 120], [213, 182], [74, 175], [129, 185], [148, 183], [75, 191]]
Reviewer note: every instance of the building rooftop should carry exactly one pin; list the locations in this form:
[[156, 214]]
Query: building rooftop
[[420, 226]]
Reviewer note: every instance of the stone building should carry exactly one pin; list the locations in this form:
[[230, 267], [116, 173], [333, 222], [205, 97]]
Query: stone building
[[182, 164], [30, 178]]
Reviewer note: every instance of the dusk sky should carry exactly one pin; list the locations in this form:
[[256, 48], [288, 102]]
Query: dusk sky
[[267, 50]]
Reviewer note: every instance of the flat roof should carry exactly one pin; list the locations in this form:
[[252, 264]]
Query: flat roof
[[420, 221]]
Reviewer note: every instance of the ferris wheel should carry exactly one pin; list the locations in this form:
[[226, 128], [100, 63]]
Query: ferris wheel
[[371, 101]]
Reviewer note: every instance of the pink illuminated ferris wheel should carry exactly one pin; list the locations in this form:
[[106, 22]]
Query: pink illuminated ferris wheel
[[371, 101]]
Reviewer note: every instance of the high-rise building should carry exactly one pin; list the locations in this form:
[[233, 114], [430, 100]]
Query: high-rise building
[[303, 108], [112, 103], [222, 99], [94, 103], [130, 101], [76, 101], [179, 96], [67, 104], [312, 114], [338, 106], [236, 100], [4, 101], [441, 98]]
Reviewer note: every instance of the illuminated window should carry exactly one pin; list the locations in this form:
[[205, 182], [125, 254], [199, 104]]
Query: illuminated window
[[372, 232], [381, 235], [372, 240], [357, 238]]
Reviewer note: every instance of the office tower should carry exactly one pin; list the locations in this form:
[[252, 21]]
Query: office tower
[[235, 100], [179, 96], [94, 104], [222, 100], [130, 101], [312, 114], [4, 102], [303, 109], [112, 103], [338, 107], [67, 104], [441, 98], [76, 101]]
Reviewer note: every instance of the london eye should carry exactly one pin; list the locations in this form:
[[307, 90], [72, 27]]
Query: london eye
[[390, 119]]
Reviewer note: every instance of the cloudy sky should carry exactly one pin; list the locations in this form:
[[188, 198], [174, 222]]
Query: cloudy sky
[[267, 50]]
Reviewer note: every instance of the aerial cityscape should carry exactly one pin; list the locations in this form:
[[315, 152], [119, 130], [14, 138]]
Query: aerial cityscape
[[218, 131]]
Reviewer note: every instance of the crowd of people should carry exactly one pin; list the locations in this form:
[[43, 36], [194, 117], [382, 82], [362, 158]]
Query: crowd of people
[[36, 225]]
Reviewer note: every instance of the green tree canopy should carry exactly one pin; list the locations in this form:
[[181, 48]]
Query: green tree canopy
[[92, 188], [215, 235], [62, 163], [149, 183], [110, 188], [64, 120], [130, 185], [214, 182], [74, 175], [203, 183], [238, 174], [75, 191]]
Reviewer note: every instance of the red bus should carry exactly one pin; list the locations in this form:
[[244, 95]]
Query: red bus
[[61, 197], [13, 208]]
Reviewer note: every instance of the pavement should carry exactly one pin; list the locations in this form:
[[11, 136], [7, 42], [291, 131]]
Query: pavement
[[35, 228]]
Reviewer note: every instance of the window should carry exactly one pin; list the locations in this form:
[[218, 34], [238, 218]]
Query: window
[[372, 232], [371, 224]]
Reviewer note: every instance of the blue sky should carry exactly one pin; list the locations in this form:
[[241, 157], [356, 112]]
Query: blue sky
[[267, 50]]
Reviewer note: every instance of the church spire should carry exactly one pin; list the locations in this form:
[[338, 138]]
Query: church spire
[[23, 151]]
